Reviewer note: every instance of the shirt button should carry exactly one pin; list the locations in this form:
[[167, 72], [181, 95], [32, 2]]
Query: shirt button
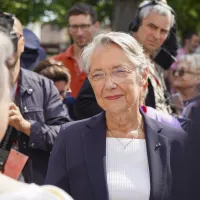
[[33, 145], [30, 90], [25, 109]]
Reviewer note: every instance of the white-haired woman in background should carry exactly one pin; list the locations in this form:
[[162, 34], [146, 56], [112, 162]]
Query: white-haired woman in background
[[120, 154], [186, 80], [9, 188]]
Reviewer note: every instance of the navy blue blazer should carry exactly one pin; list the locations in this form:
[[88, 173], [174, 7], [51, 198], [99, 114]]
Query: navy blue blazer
[[77, 162]]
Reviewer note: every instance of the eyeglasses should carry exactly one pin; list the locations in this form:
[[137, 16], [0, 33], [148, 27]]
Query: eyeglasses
[[181, 72], [83, 27], [117, 75]]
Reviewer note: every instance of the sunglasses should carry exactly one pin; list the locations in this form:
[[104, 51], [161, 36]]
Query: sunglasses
[[181, 72]]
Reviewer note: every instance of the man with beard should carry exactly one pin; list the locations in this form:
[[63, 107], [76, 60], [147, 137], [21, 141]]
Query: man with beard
[[35, 114], [82, 26]]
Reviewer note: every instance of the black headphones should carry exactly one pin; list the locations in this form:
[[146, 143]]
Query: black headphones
[[135, 24]]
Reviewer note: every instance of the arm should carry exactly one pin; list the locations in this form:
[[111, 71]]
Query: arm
[[44, 133], [86, 105], [57, 170]]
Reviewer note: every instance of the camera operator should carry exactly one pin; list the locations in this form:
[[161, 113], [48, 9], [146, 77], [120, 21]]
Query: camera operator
[[35, 114], [154, 28]]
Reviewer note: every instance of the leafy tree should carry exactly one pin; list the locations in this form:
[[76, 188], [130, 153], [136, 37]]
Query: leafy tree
[[187, 14], [120, 12]]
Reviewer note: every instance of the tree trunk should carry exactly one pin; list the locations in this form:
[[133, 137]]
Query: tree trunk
[[124, 12]]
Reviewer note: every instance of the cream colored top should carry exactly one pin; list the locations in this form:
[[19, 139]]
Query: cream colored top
[[127, 169], [11, 189]]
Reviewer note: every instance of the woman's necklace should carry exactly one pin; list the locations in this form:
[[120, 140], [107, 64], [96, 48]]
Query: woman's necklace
[[134, 133]]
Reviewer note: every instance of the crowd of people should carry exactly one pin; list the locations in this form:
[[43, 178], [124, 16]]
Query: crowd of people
[[115, 116]]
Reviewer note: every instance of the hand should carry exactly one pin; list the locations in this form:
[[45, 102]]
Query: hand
[[17, 121]]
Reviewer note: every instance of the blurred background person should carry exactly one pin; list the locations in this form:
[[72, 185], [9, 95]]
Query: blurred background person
[[11, 189], [82, 26], [186, 81], [56, 72], [36, 112], [190, 44], [61, 77], [120, 153], [33, 52]]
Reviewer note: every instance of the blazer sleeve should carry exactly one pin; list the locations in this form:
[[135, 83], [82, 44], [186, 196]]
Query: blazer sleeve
[[57, 170], [44, 132], [178, 161]]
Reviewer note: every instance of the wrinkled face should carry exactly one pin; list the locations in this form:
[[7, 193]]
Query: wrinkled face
[[113, 79], [153, 31], [193, 43], [4, 106], [82, 29], [183, 78], [63, 87]]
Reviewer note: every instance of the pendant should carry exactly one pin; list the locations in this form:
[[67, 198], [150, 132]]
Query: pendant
[[134, 133]]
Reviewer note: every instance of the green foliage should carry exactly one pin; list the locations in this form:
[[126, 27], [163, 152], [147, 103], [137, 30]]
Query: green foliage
[[188, 11], [188, 14], [53, 11]]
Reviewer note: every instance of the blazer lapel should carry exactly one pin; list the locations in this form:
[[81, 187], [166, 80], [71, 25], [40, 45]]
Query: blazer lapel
[[94, 145], [158, 154]]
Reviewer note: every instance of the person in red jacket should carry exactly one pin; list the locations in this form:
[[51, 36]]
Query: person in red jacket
[[82, 26]]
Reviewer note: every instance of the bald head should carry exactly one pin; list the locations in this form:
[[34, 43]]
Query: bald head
[[17, 27]]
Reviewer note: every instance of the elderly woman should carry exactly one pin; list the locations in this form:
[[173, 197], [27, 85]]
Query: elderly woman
[[186, 80], [120, 154]]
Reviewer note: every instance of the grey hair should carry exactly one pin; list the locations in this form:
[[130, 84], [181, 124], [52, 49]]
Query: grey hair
[[192, 61], [161, 10], [6, 50], [132, 49], [192, 64]]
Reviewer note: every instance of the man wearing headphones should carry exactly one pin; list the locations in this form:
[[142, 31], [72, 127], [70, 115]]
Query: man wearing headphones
[[151, 27]]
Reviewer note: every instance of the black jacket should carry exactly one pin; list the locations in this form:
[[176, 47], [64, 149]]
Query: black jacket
[[86, 104], [78, 158], [192, 166], [40, 104]]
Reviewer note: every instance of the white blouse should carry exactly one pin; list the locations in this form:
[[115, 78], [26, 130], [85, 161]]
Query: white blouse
[[127, 169]]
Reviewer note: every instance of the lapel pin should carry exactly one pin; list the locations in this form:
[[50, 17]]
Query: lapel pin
[[157, 146]]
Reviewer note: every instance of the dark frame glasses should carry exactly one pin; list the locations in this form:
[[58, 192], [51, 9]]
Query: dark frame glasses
[[181, 72]]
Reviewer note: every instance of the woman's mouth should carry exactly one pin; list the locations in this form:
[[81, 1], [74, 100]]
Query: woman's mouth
[[113, 97]]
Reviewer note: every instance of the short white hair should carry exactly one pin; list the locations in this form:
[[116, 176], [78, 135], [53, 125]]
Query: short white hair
[[158, 9], [132, 49], [192, 62], [6, 50]]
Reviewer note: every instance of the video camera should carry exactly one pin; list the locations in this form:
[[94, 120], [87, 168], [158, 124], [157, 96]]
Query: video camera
[[6, 26]]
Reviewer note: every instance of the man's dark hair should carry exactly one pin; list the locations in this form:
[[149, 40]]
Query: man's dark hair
[[188, 35], [83, 9]]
